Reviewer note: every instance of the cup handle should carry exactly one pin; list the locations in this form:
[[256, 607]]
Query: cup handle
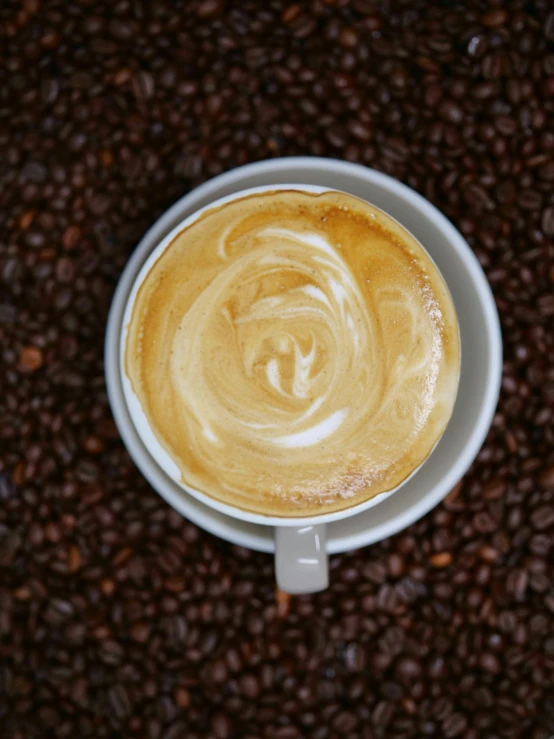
[[301, 558]]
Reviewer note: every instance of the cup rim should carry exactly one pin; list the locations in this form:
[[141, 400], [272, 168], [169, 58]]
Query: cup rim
[[232, 528], [139, 418]]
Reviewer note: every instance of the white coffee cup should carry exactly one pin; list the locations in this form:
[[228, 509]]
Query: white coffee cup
[[301, 545]]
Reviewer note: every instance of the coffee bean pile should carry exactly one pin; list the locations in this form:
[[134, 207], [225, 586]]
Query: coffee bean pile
[[117, 617]]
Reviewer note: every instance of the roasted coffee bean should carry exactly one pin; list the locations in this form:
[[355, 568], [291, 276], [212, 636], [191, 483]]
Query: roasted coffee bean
[[117, 616], [546, 478], [494, 18], [547, 221]]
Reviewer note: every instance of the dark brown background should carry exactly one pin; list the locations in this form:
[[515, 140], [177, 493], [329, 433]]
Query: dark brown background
[[118, 618]]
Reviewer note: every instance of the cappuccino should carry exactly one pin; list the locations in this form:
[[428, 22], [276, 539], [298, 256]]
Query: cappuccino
[[294, 353]]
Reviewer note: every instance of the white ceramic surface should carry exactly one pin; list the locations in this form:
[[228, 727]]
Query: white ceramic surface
[[479, 330]]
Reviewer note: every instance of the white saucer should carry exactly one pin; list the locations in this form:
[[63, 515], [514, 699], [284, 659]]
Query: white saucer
[[479, 329]]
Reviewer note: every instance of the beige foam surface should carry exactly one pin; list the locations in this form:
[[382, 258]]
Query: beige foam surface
[[294, 353]]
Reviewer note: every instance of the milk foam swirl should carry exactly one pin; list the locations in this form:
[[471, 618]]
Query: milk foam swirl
[[294, 355]]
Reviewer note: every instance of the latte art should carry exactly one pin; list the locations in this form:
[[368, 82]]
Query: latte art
[[294, 353]]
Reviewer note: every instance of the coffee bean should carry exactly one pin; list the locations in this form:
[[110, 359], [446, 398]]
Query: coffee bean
[[483, 90], [546, 478], [303, 26], [494, 18], [140, 632], [549, 27], [120, 702], [441, 560], [359, 130], [122, 30], [549, 602], [8, 313], [517, 583], [143, 86], [543, 517], [345, 722], [494, 489], [221, 726], [454, 725], [546, 305], [477, 46], [375, 571], [30, 359], [547, 221], [354, 657], [451, 112], [249, 686], [177, 730], [210, 8], [382, 714], [408, 669]]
